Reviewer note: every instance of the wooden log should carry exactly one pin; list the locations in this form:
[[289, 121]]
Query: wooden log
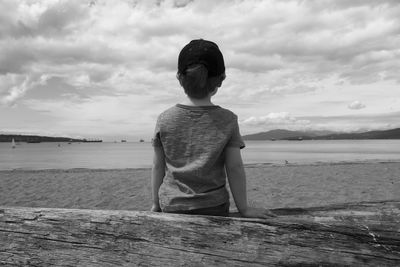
[[358, 234]]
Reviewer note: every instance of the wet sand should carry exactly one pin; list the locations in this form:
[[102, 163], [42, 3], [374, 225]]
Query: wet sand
[[267, 185]]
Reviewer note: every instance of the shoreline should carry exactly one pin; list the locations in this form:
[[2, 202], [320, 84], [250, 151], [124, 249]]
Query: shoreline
[[246, 165]]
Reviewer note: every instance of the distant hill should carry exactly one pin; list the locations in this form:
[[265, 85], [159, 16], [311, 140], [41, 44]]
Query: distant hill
[[281, 134], [38, 138], [387, 134], [298, 135]]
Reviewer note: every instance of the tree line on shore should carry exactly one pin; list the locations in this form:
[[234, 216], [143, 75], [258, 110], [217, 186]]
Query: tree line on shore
[[39, 139]]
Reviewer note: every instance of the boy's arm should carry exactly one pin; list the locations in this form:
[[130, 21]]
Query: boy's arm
[[157, 176], [237, 183]]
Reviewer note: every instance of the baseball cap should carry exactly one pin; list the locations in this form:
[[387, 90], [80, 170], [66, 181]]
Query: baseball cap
[[202, 52]]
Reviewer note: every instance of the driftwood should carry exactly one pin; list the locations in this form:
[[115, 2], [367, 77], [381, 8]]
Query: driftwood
[[359, 234]]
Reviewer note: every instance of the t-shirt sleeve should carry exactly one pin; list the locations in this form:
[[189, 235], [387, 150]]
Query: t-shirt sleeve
[[156, 140], [236, 139]]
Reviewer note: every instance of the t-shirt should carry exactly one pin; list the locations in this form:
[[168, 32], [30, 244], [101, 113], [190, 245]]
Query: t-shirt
[[194, 139]]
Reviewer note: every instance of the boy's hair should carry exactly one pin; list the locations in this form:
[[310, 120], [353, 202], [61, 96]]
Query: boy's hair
[[201, 68]]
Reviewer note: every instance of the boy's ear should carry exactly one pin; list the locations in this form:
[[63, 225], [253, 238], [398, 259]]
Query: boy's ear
[[221, 79], [214, 91], [178, 76], [223, 76]]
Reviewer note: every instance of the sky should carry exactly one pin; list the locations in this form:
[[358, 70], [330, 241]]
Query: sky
[[106, 69]]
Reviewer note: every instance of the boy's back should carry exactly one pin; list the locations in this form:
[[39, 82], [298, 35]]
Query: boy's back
[[197, 145], [194, 139]]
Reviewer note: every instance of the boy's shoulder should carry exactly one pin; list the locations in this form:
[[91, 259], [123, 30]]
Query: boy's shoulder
[[228, 112], [169, 112], [212, 110]]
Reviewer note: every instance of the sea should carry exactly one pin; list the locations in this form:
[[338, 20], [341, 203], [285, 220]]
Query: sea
[[37, 156]]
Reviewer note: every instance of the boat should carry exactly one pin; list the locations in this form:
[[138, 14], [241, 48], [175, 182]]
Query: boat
[[295, 138], [13, 143], [123, 141], [92, 140], [141, 140]]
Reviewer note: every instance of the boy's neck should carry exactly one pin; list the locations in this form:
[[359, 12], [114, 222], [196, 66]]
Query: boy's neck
[[198, 102]]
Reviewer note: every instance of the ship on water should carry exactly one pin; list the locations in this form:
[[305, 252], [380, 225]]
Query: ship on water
[[92, 140]]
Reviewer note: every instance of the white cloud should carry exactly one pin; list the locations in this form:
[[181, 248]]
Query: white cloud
[[355, 123], [356, 105], [278, 119], [279, 53], [14, 86], [99, 115]]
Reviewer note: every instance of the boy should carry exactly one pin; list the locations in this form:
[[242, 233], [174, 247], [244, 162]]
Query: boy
[[197, 144]]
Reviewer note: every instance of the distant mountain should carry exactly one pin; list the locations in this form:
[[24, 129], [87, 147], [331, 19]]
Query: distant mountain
[[387, 134], [38, 138], [280, 134], [318, 135]]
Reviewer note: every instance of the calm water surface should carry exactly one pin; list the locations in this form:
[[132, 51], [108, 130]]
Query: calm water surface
[[138, 155]]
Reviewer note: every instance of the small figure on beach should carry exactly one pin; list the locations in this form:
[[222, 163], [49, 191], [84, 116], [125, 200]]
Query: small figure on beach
[[197, 144]]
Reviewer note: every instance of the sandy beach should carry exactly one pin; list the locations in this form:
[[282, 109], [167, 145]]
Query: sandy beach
[[267, 185]]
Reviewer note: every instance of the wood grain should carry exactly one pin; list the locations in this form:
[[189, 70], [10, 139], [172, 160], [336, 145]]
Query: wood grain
[[356, 234]]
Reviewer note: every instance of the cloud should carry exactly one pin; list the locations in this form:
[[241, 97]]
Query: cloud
[[355, 123], [278, 119], [261, 35], [42, 18], [343, 123], [275, 51], [356, 105], [14, 86], [98, 115]]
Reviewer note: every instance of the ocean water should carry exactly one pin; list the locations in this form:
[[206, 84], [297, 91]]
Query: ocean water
[[139, 155]]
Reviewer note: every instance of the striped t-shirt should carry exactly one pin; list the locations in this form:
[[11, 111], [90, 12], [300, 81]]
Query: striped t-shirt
[[194, 139]]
